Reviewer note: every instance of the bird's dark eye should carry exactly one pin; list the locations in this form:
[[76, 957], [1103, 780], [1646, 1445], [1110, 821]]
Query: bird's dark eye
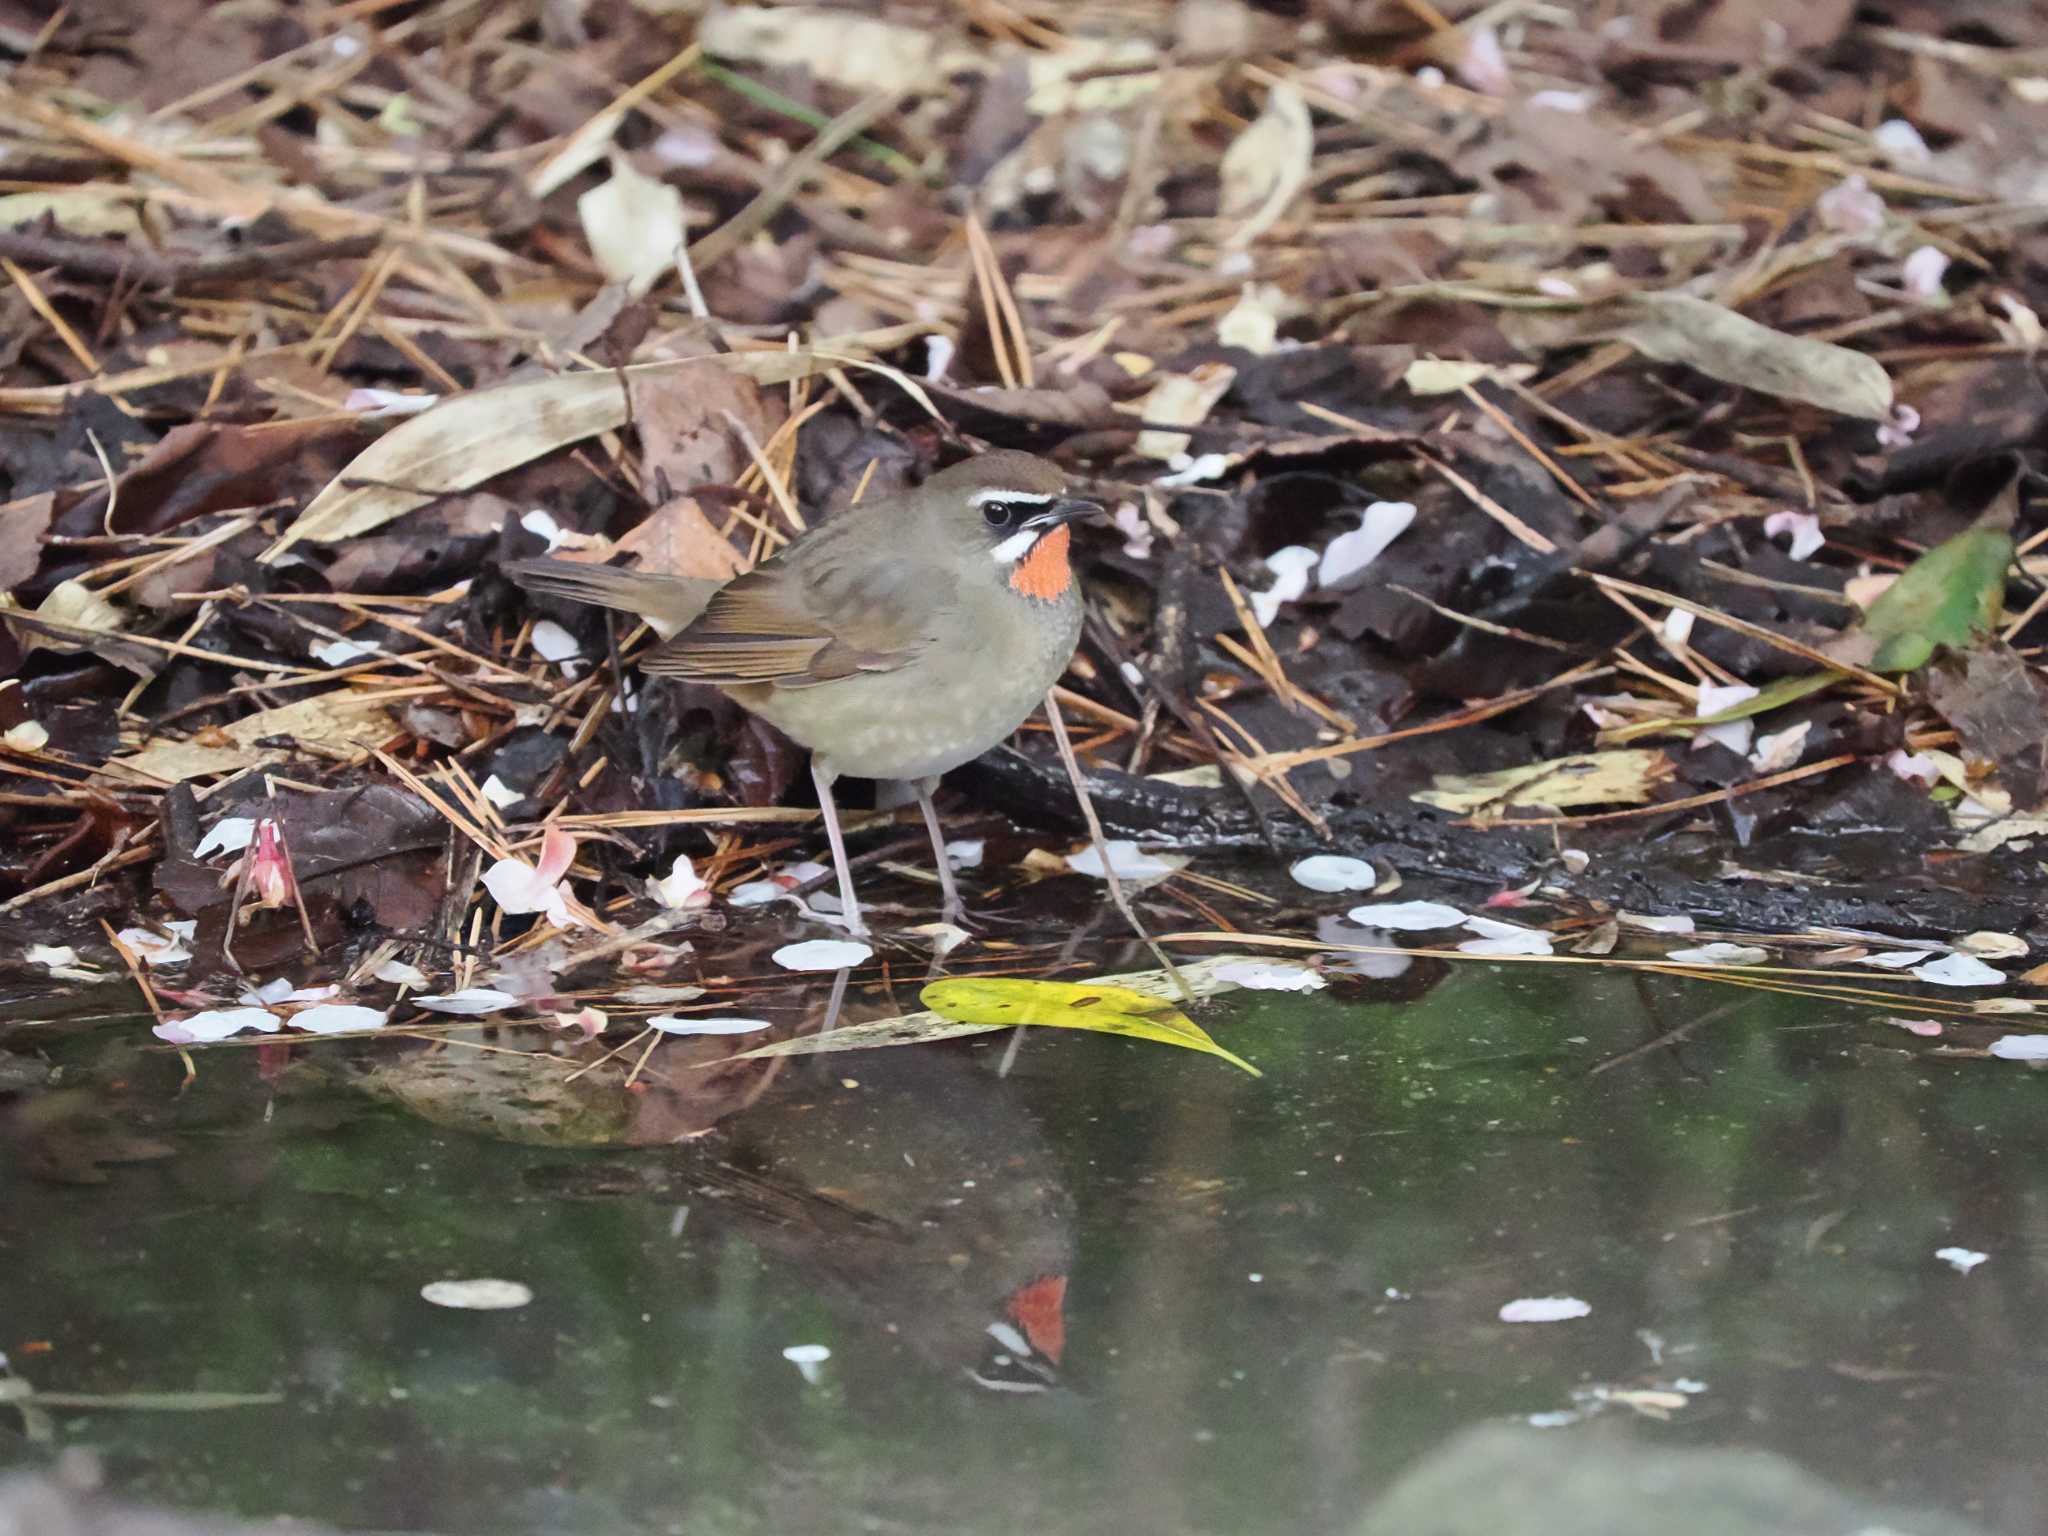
[[1003, 514]]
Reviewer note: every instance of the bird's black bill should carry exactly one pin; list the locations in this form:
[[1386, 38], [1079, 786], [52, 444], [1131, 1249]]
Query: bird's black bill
[[1063, 510]]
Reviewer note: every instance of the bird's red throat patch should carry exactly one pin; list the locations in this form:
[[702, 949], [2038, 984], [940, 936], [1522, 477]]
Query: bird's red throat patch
[[1043, 574], [1040, 1310]]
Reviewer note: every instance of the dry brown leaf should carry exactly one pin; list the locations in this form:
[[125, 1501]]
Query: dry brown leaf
[[22, 526], [340, 722], [688, 419], [678, 540]]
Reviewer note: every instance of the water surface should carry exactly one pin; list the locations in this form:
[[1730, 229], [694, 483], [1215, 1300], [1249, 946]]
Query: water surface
[[1244, 1305]]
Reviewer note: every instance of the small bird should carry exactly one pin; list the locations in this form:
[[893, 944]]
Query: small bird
[[898, 640]]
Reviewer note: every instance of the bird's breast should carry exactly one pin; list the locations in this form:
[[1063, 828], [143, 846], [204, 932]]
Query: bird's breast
[[950, 703]]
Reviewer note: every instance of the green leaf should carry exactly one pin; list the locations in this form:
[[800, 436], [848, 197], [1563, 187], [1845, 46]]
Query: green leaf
[[1003, 1001], [1786, 690], [1949, 595]]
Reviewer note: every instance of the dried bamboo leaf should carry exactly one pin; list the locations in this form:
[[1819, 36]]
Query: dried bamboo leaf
[[458, 444]]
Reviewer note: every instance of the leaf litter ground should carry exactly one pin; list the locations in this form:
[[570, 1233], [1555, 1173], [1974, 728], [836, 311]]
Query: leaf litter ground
[[1574, 472]]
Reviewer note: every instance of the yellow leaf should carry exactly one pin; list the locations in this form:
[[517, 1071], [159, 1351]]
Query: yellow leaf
[[1623, 777], [1206, 977], [338, 723], [1003, 1001]]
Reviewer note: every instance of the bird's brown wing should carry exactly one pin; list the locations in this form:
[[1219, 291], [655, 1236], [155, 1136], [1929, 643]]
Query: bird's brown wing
[[838, 604], [670, 601]]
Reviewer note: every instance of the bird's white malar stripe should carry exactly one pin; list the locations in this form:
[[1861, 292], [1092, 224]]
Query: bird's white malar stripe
[[1025, 498], [995, 1385], [1008, 1337], [1016, 546]]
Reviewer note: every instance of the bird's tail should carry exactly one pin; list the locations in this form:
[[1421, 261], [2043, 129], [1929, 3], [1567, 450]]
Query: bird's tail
[[666, 602]]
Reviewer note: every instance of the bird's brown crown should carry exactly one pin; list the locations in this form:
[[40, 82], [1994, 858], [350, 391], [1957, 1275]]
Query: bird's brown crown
[[1015, 506]]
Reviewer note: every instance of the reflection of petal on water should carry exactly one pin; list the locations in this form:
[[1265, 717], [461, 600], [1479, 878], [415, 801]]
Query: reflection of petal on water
[[1544, 1309], [821, 955], [1337, 930], [678, 1024]]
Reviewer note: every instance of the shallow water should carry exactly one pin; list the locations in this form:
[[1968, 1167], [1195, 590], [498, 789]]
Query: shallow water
[[1266, 1297]]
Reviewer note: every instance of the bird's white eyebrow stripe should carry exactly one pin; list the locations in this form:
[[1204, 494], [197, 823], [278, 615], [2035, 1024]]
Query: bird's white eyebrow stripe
[[1027, 498]]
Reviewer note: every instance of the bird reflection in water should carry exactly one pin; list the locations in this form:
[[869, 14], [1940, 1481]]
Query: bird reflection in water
[[912, 1187]]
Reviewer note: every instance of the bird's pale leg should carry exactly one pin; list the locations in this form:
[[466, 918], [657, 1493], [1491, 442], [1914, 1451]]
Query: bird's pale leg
[[822, 775], [953, 909]]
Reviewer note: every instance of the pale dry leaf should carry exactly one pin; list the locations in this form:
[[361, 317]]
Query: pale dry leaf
[[1181, 399], [1988, 944], [76, 211], [634, 226], [1730, 347], [339, 722], [1091, 74], [470, 438], [1266, 166], [844, 48], [1446, 376], [460, 443], [1253, 322], [77, 613]]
